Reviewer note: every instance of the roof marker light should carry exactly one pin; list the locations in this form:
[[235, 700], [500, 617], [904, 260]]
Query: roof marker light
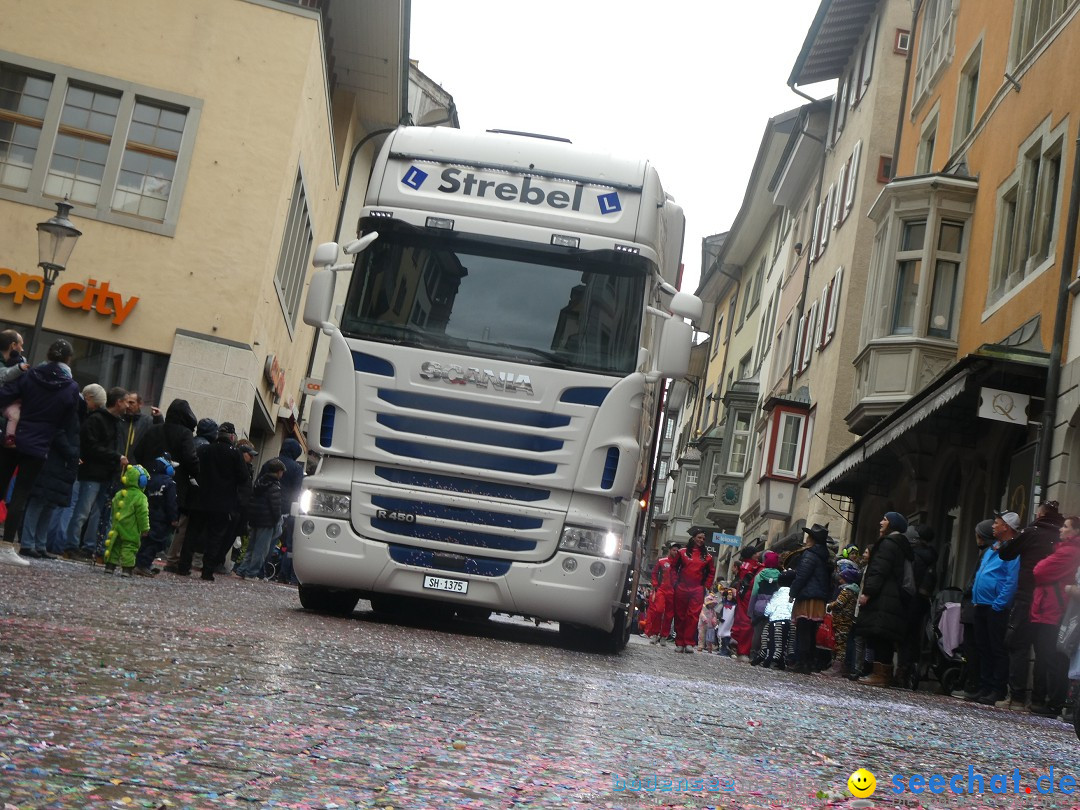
[[627, 249], [440, 222], [565, 241]]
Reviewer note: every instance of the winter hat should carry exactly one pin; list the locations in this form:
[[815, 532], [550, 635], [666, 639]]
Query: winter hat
[[849, 572], [897, 522], [771, 559], [985, 529]]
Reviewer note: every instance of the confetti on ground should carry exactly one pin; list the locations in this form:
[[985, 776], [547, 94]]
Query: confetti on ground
[[169, 693]]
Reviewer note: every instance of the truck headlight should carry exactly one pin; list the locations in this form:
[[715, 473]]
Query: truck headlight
[[327, 504], [598, 542]]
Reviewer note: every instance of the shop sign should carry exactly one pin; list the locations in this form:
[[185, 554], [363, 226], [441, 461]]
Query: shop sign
[[89, 297], [1004, 406], [275, 375], [724, 539], [312, 386]]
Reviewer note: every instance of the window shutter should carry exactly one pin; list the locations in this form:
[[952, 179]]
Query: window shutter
[[834, 304], [853, 177], [868, 58], [827, 202], [808, 338], [819, 334], [815, 242], [796, 360], [839, 211]]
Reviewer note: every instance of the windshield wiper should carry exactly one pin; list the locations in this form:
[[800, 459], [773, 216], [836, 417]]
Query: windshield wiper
[[550, 357]]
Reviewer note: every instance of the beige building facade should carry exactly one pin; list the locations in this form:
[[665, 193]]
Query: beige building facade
[[205, 148]]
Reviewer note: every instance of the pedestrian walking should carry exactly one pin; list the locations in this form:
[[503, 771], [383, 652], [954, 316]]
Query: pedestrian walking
[[661, 613], [1050, 682], [694, 574]]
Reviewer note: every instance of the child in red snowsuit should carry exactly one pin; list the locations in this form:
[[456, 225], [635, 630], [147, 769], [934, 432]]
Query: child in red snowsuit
[[695, 571]]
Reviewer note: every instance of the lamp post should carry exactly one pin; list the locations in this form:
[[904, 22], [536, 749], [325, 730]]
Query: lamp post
[[56, 240]]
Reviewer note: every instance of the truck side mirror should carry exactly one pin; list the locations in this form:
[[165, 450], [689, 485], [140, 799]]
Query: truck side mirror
[[320, 297], [686, 305], [673, 354], [325, 254]]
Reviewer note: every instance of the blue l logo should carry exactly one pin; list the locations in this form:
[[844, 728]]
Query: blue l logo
[[414, 178], [609, 203]]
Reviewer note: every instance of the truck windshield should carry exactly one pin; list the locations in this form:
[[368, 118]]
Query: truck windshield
[[494, 298]]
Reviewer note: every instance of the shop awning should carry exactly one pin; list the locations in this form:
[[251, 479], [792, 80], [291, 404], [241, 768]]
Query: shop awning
[[966, 375]]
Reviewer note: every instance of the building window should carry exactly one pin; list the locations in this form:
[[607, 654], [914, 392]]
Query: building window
[[935, 45], [669, 428], [884, 169], [1028, 213], [901, 41], [715, 471], [909, 260], [1034, 18], [830, 315], [661, 472], [716, 335], [744, 366], [967, 96], [23, 98], [788, 444], [740, 443], [149, 163], [295, 249], [118, 151], [947, 259], [924, 161], [690, 478]]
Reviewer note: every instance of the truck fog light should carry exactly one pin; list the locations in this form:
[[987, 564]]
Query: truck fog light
[[597, 569], [569, 565], [307, 527], [333, 530]]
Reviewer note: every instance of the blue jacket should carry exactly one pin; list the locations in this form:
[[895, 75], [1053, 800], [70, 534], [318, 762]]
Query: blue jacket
[[995, 581], [161, 499]]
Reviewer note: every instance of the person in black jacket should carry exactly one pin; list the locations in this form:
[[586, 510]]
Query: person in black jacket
[[1032, 544], [51, 490], [810, 591], [164, 514], [882, 617], [214, 504], [264, 516], [101, 464]]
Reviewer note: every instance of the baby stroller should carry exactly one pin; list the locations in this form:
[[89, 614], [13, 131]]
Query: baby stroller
[[944, 661], [273, 563]]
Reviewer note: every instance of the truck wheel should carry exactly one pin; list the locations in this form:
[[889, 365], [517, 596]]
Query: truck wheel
[[611, 642], [328, 600], [472, 614]]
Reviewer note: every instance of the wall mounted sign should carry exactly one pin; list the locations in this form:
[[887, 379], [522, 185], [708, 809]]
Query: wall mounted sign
[[1004, 406], [93, 296]]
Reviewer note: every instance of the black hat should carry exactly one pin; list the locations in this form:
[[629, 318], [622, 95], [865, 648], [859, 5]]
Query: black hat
[[818, 532], [697, 530], [227, 427]]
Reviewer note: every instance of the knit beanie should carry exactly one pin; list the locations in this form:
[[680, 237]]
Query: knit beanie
[[897, 522]]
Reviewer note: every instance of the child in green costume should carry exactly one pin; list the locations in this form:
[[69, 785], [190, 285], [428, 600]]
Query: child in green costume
[[130, 521]]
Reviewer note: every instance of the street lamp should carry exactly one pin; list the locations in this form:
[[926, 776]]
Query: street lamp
[[56, 240]]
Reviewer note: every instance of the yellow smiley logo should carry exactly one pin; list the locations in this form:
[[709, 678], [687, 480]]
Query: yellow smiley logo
[[862, 783]]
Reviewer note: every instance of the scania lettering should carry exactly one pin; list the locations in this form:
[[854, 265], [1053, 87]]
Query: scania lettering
[[492, 384]]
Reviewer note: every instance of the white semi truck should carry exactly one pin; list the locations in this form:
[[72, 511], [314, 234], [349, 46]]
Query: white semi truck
[[488, 404]]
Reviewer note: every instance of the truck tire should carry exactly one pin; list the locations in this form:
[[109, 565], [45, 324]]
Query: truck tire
[[328, 600], [611, 642]]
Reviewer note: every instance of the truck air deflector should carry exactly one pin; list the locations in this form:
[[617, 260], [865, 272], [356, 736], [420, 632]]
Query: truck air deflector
[[465, 486], [469, 433], [461, 537], [611, 466], [584, 396], [464, 458], [479, 517], [370, 364], [478, 566], [472, 410]]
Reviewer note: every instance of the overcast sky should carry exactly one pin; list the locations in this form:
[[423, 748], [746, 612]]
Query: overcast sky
[[687, 84]]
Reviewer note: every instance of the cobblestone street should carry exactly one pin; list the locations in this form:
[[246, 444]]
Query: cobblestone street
[[178, 693]]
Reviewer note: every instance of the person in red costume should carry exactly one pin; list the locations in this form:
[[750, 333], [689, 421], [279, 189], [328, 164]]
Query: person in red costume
[[662, 609], [694, 574], [742, 631]]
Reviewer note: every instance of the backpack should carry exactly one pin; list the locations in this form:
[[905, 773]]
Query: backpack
[[908, 590]]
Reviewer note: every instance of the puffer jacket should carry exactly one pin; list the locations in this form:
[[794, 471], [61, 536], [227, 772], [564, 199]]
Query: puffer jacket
[[57, 478], [1034, 543], [264, 510], [49, 397], [1051, 575], [885, 615], [813, 575]]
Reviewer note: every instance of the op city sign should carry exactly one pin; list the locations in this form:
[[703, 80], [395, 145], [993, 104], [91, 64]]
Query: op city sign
[[92, 296]]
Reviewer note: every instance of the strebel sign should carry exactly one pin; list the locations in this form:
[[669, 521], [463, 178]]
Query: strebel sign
[[93, 296], [511, 189], [481, 378]]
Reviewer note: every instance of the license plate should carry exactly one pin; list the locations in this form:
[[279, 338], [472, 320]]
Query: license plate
[[444, 584]]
